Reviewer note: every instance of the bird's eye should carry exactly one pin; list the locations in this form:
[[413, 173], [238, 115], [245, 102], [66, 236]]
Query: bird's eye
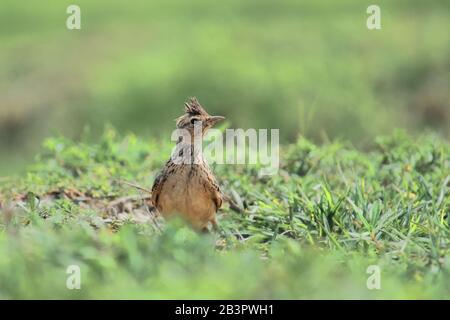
[[194, 120]]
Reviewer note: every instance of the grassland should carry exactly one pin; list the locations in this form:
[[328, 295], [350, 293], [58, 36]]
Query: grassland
[[351, 191], [309, 232]]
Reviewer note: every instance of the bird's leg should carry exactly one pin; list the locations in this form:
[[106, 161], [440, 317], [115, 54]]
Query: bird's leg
[[215, 224], [205, 230]]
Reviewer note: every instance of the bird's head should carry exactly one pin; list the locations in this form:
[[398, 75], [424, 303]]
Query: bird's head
[[196, 116]]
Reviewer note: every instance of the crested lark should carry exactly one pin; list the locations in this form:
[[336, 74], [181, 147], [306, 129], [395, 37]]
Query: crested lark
[[186, 185]]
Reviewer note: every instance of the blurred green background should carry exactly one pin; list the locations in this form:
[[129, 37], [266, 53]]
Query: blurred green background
[[306, 67], [309, 68]]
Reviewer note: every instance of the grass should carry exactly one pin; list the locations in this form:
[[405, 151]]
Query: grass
[[309, 232]]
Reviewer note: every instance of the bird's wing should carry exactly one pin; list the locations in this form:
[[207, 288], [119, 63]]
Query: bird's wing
[[158, 185], [215, 192]]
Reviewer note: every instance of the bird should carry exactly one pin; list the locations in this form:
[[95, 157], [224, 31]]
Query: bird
[[186, 185]]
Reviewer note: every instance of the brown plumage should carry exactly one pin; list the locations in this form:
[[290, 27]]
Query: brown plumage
[[186, 185]]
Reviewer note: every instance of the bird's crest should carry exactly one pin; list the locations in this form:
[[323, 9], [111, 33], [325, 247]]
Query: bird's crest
[[194, 108]]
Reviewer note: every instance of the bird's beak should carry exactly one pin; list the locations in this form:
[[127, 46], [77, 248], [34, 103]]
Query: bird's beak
[[215, 119]]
